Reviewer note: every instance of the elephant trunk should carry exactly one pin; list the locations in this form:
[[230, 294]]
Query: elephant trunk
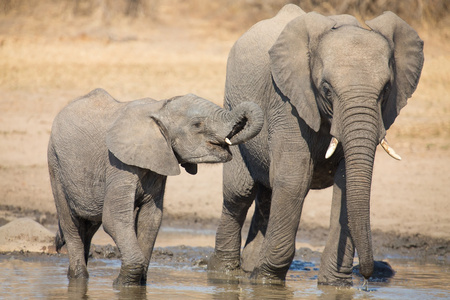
[[359, 140], [245, 122]]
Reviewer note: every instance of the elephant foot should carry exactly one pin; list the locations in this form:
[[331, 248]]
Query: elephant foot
[[337, 279], [131, 275], [79, 272], [260, 276], [224, 263]]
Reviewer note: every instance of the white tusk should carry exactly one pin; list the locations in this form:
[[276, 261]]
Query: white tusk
[[389, 150], [227, 140], [332, 147]]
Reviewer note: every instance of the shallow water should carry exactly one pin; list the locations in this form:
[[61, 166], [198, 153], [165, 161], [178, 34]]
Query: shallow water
[[180, 273]]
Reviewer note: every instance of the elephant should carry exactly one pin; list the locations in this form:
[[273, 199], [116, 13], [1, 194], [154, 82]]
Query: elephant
[[330, 89], [109, 161]]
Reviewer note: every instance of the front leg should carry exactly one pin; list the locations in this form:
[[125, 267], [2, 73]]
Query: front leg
[[119, 223], [291, 175], [148, 222], [337, 258], [238, 195]]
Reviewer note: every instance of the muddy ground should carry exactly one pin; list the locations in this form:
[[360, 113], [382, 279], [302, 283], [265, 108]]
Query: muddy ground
[[45, 62]]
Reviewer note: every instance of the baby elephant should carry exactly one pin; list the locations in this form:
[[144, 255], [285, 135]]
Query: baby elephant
[[109, 160]]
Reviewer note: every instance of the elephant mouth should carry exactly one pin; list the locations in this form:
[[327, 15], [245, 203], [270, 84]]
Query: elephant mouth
[[237, 128], [215, 152], [218, 147], [222, 146], [222, 149]]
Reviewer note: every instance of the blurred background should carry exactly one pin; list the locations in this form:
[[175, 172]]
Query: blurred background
[[52, 51]]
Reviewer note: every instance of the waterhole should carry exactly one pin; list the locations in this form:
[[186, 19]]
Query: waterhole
[[179, 272]]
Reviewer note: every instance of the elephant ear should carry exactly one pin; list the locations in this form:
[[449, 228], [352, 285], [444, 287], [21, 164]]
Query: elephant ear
[[138, 138], [408, 61], [290, 63]]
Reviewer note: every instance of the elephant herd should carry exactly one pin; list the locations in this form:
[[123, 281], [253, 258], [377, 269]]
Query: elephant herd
[[307, 100]]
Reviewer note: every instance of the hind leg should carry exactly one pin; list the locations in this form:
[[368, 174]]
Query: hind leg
[[258, 227], [70, 227], [77, 234], [238, 194]]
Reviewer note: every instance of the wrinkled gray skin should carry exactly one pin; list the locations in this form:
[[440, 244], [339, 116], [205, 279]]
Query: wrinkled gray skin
[[315, 78], [109, 161]]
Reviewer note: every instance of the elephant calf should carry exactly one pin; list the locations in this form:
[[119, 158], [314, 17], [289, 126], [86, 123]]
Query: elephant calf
[[109, 160]]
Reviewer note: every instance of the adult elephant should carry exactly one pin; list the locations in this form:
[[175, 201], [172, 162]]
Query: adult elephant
[[109, 161], [318, 79]]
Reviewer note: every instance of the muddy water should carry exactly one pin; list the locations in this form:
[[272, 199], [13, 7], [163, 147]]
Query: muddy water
[[179, 272]]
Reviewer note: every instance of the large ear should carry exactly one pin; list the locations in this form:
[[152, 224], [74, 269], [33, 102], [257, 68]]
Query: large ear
[[138, 138], [290, 63], [408, 61]]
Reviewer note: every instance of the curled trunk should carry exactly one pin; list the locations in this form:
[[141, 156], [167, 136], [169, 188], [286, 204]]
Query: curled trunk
[[245, 122]]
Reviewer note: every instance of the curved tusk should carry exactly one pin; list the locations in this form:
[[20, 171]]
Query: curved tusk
[[389, 150], [227, 140], [332, 147]]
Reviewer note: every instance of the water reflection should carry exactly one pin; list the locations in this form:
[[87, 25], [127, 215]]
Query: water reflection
[[333, 293], [77, 289], [241, 287], [132, 292], [182, 277]]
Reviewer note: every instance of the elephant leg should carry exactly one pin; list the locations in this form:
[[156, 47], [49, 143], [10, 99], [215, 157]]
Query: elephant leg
[[257, 230], [75, 247], [148, 222], [238, 194], [119, 223], [337, 258], [69, 225], [291, 175]]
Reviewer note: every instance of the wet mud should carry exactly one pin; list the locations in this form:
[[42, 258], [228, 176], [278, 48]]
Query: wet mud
[[385, 244]]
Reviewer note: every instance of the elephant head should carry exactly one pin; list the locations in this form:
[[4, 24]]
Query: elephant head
[[186, 130], [357, 80]]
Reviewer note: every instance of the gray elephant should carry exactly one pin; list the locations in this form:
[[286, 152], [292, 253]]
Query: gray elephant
[[329, 89], [109, 160]]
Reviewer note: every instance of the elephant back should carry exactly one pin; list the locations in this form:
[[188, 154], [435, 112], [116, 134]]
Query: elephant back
[[248, 67], [98, 106]]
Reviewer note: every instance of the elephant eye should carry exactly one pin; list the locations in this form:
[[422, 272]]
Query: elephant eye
[[327, 91], [326, 106], [197, 124]]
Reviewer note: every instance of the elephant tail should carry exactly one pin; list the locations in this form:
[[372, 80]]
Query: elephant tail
[[59, 239]]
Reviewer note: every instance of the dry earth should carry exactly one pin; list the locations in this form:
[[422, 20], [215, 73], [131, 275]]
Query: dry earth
[[44, 66]]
